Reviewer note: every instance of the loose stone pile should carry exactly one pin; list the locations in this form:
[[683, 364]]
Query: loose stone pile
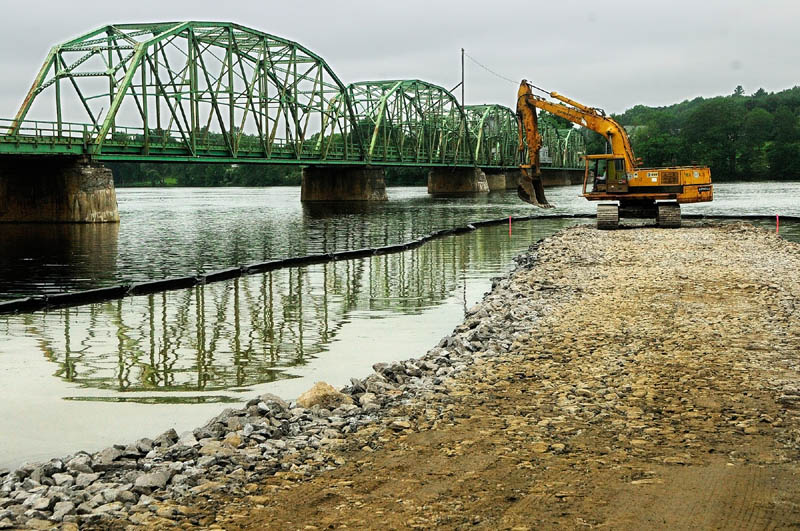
[[236, 447], [168, 478]]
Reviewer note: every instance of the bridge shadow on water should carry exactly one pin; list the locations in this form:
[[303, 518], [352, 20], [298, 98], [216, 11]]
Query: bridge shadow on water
[[60, 256]]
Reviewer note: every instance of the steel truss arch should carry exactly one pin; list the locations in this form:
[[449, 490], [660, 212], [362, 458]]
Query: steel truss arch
[[221, 92], [561, 148], [494, 131], [195, 89], [410, 122]]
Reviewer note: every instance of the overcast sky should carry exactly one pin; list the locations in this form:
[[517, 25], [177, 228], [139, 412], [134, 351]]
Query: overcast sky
[[611, 54]]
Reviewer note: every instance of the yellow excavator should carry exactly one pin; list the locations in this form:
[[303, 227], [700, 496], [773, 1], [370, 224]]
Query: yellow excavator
[[616, 176]]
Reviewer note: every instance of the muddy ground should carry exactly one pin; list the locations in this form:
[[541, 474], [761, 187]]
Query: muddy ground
[[643, 379]]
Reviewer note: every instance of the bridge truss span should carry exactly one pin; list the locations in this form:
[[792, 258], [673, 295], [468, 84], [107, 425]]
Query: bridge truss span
[[221, 92], [193, 90], [494, 129], [410, 122]]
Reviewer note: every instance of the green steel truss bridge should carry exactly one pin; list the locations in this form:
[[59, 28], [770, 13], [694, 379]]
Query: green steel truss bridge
[[221, 92]]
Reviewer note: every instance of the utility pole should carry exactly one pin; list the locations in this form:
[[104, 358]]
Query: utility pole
[[462, 78]]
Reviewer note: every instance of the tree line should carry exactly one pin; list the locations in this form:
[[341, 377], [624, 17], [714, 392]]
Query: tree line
[[199, 174], [741, 137]]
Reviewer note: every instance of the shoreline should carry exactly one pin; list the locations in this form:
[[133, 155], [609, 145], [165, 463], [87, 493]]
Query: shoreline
[[151, 482], [117, 481], [47, 302]]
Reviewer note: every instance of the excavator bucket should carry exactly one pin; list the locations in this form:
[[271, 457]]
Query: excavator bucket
[[531, 191]]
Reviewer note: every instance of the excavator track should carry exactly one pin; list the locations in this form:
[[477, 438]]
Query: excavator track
[[668, 215], [607, 217]]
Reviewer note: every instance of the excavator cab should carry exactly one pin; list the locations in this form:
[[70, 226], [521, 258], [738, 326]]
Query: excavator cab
[[605, 173]]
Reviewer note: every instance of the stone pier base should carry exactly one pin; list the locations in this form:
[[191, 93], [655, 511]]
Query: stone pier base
[[56, 190], [457, 181], [496, 180], [333, 183]]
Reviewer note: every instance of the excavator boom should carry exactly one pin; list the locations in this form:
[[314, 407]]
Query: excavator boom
[[577, 113], [530, 188], [641, 192]]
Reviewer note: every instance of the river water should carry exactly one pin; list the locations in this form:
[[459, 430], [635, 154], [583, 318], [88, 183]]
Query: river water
[[90, 376]]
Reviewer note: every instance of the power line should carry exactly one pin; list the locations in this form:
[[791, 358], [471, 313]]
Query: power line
[[490, 70], [504, 78]]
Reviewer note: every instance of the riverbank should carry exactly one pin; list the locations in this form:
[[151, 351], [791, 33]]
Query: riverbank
[[629, 378]]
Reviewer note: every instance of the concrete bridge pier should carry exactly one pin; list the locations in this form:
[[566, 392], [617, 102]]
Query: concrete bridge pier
[[562, 176], [343, 183], [56, 189], [457, 181], [512, 179], [496, 180]]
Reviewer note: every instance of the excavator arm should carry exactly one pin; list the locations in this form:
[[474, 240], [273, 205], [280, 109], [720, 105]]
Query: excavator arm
[[530, 188]]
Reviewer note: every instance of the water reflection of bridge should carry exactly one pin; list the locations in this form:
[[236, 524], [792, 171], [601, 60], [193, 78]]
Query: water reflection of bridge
[[46, 259], [249, 330]]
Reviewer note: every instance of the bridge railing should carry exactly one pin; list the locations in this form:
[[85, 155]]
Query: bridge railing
[[562, 148], [134, 140], [128, 141], [205, 143], [45, 129]]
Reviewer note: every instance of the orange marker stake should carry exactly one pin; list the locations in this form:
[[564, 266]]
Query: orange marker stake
[[777, 223], [509, 226]]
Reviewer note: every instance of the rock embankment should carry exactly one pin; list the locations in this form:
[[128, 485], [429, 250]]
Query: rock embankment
[[628, 379]]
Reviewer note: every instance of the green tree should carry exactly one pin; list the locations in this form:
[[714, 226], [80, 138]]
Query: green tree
[[783, 152], [756, 131], [406, 176], [657, 143], [595, 142], [783, 159], [711, 135], [786, 126], [547, 119]]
